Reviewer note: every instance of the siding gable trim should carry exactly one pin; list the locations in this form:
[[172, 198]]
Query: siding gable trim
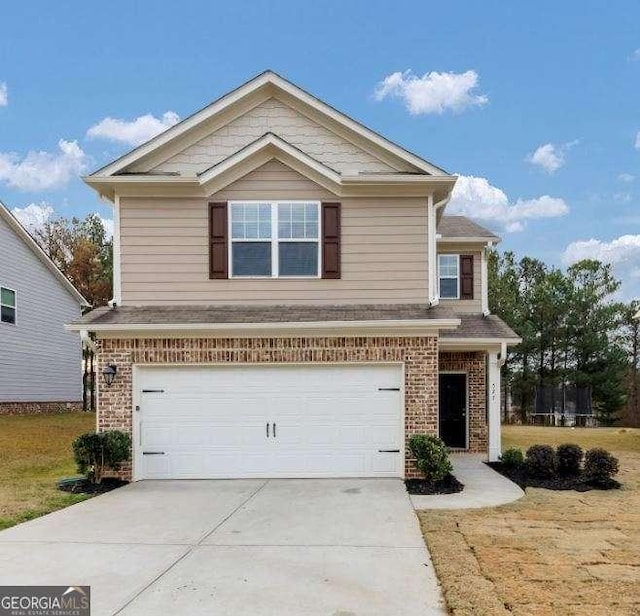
[[261, 151], [22, 234]]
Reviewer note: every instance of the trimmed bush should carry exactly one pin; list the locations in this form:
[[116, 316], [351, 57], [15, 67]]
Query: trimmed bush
[[541, 461], [600, 466], [432, 457], [97, 452], [569, 458], [512, 458]]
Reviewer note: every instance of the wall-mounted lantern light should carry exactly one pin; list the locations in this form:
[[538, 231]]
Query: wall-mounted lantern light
[[109, 374]]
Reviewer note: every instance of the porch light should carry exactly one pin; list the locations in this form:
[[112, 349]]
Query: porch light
[[109, 374]]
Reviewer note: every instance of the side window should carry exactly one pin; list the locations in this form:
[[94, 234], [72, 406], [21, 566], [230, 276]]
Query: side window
[[449, 276], [7, 305]]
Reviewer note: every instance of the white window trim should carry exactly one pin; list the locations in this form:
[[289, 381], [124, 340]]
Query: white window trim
[[449, 254], [15, 304], [275, 240]]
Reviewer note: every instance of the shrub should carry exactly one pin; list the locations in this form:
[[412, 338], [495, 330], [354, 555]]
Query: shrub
[[432, 457], [600, 466], [512, 458], [569, 458], [541, 461], [96, 452]]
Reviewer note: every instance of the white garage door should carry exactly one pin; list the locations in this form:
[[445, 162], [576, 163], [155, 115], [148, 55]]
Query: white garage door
[[268, 421]]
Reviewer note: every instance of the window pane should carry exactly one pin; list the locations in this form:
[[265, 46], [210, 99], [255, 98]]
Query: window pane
[[251, 259], [7, 297], [7, 315], [251, 221], [237, 230], [449, 288], [297, 221], [251, 230], [298, 258], [448, 265]]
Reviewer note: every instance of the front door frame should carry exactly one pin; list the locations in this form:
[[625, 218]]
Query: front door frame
[[466, 397]]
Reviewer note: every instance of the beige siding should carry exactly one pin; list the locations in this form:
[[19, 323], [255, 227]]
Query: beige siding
[[165, 258], [466, 305], [280, 119]]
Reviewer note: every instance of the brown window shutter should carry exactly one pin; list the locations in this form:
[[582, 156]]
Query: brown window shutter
[[218, 241], [466, 276], [331, 240]]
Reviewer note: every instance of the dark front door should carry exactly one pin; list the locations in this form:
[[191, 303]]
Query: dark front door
[[453, 410]]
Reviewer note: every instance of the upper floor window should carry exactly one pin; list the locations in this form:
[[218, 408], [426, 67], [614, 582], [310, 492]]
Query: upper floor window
[[449, 275], [7, 305], [274, 239]]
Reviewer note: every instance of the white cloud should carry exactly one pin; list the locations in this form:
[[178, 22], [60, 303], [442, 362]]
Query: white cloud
[[623, 249], [626, 177], [43, 170], [33, 216], [433, 92], [623, 253], [4, 94], [477, 198], [133, 132], [637, 144], [550, 157]]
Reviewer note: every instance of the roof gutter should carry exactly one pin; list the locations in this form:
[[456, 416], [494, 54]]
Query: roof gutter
[[400, 325]]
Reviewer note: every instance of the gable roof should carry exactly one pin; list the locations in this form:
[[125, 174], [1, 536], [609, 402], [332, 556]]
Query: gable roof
[[24, 235], [276, 85], [461, 228], [266, 148]]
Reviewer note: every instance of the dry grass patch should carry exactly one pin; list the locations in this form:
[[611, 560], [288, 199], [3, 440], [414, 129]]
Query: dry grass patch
[[35, 451], [557, 553]]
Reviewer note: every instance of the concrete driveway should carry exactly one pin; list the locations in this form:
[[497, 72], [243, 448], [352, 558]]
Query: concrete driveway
[[340, 547]]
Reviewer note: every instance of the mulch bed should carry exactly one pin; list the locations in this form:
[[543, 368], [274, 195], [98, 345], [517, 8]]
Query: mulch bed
[[579, 483], [83, 486], [448, 485]]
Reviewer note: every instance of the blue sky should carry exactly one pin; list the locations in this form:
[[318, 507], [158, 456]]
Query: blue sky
[[536, 105]]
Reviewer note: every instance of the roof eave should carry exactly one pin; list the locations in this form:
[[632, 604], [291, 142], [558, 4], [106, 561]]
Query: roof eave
[[470, 240], [386, 325]]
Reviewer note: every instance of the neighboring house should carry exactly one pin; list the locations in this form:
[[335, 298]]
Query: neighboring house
[[40, 362], [278, 310]]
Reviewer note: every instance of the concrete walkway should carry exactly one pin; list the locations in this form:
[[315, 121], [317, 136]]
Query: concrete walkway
[[276, 547], [483, 487]]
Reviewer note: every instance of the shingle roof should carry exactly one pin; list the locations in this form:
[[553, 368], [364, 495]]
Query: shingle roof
[[480, 326], [472, 325], [172, 315], [461, 226]]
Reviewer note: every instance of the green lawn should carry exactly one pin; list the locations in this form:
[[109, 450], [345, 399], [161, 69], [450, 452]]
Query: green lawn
[[35, 451]]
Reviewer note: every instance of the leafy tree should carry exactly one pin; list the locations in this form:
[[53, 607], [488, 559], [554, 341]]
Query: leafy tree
[[83, 251], [630, 341], [570, 330]]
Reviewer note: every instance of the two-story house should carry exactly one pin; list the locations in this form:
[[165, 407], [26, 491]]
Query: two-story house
[[290, 299], [40, 362]]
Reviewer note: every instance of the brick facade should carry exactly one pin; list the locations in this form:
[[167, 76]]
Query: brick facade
[[38, 408], [474, 365], [418, 354]]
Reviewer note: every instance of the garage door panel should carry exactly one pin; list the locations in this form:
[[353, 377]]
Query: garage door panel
[[211, 421]]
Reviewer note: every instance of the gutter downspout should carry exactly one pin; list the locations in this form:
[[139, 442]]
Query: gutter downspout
[[432, 210], [117, 268], [87, 342], [484, 275]]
